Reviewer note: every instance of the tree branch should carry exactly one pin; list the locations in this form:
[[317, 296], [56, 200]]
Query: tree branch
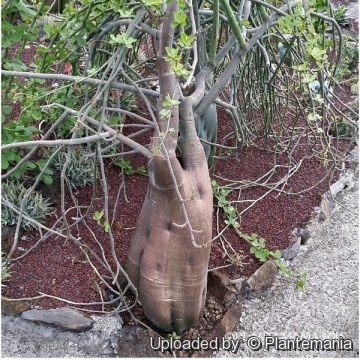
[[78, 80], [60, 142], [131, 143]]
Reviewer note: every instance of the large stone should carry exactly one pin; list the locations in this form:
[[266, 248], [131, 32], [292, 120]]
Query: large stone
[[346, 181], [222, 288], [229, 321], [293, 249], [11, 307], [305, 235], [325, 208], [261, 280], [66, 318]]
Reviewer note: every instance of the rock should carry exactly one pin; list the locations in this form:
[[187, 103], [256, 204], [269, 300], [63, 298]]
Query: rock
[[229, 321], [325, 208], [11, 307], [260, 280], [222, 288], [346, 181], [294, 248], [305, 236], [66, 318], [227, 324], [134, 341]]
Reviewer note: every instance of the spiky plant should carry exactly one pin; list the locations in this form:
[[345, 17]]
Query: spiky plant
[[79, 171], [35, 207], [341, 15]]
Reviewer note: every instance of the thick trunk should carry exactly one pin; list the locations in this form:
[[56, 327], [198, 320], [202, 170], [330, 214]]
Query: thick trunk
[[169, 252], [168, 256]]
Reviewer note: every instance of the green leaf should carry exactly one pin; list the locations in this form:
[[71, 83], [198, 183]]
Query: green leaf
[[185, 40], [14, 65], [301, 67], [48, 180], [265, 253], [6, 109], [98, 215], [172, 54], [165, 113], [114, 120], [300, 285], [42, 163], [307, 78], [317, 53], [261, 243], [4, 162], [179, 19], [122, 39], [30, 165], [170, 102], [277, 254], [106, 226], [126, 13], [141, 169]]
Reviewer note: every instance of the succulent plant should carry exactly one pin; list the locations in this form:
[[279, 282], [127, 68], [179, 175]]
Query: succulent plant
[[36, 207], [79, 171], [341, 15], [355, 88], [48, 19]]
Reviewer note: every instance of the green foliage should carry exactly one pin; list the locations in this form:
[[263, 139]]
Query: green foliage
[[341, 15], [258, 246], [179, 19], [97, 217], [173, 335], [79, 170], [259, 250], [355, 88], [185, 40], [35, 206], [122, 39], [127, 167], [230, 213], [350, 58]]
